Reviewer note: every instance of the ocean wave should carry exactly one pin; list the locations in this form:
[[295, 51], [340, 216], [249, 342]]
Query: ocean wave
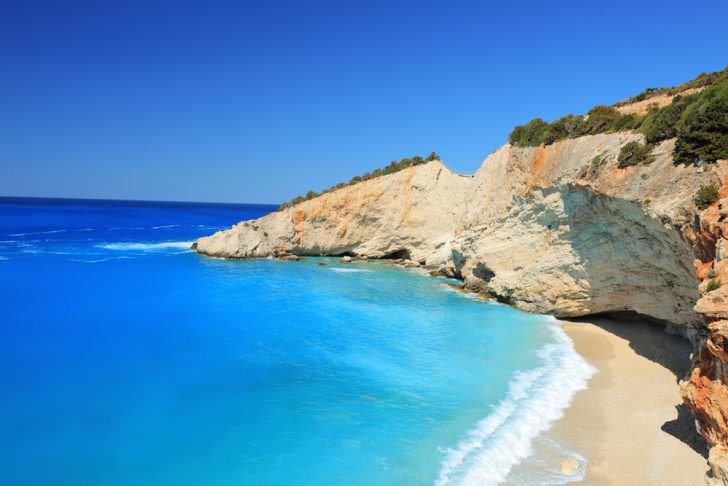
[[349, 270], [536, 399], [167, 245], [164, 226], [2, 258], [38, 233], [99, 260], [464, 294]]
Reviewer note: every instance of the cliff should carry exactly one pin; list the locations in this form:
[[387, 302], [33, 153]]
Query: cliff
[[705, 389], [559, 229], [585, 215]]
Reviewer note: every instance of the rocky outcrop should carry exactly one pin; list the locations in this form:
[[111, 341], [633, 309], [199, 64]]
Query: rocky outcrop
[[705, 389], [559, 229]]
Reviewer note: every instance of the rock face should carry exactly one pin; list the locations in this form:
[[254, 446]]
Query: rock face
[[557, 229], [705, 389]]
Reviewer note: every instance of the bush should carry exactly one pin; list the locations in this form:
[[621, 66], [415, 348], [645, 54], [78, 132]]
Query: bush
[[532, 134], [393, 167], [706, 196], [698, 121], [702, 80], [713, 284], [601, 119], [703, 128], [635, 153], [662, 124], [570, 126]]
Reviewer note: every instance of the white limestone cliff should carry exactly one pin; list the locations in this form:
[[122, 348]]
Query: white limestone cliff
[[559, 229]]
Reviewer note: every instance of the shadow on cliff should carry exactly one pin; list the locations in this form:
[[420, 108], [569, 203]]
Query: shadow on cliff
[[670, 351], [636, 262]]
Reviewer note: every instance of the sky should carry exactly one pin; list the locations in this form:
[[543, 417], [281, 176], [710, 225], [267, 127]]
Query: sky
[[261, 101]]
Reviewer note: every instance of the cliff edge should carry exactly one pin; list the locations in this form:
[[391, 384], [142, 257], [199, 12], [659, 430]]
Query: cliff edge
[[558, 229]]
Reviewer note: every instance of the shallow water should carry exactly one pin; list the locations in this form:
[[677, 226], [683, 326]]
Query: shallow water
[[126, 358]]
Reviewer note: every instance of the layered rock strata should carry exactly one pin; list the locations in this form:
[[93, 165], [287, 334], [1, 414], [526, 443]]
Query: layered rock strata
[[559, 229]]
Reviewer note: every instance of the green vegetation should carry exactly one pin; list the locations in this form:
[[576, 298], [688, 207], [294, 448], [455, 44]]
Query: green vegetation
[[712, 285], [698, 121], [393, 167], [596, 163], [635, 153], [600, 119], [532, 134], [703, 127], [706, 196], [703, 79]]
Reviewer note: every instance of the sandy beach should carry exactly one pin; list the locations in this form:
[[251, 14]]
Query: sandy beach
[[630, 422]]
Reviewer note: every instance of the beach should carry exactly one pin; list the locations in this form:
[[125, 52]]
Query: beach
[[630, 422]]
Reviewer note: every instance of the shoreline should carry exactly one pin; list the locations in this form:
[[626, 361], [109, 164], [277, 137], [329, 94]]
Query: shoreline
[[630, 422]]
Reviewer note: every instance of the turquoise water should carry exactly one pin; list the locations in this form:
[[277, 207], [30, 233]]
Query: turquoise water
[[128, 359]]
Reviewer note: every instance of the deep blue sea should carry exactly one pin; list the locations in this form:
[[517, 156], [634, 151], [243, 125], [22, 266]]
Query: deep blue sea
[[127, 359]]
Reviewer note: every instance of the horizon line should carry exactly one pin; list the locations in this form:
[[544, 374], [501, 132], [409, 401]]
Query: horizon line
[[119, 200]]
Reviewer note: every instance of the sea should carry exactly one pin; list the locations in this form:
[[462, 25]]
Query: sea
[[128, 359]]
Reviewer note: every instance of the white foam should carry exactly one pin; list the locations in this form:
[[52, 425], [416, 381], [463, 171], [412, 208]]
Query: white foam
[[418, 271], [167, 245], [164, 226], [536, 399], [349, 270], [100, 259], [39, 233], [467, 295]]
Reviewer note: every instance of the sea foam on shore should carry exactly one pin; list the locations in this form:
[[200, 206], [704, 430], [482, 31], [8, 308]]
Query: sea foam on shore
[[536, 399]]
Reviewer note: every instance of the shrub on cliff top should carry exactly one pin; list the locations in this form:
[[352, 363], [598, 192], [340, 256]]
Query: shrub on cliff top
[[662, 123], [393, 167], [702, 130], [600, 119], [706, 196], [699, 122], [532, 134], [702, 80]]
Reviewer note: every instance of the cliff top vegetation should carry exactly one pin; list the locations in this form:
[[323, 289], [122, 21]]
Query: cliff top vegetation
[[393, 167], [699, 121]]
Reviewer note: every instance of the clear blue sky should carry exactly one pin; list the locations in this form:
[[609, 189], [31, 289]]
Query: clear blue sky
[[257, 102]]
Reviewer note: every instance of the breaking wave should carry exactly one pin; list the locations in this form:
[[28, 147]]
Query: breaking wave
[[536, 399], [39, 233], [349, 270], [100, 260], [167, 245]]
